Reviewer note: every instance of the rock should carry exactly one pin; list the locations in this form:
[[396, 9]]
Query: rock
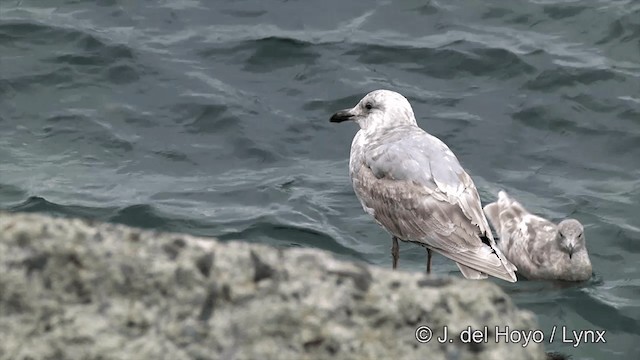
[[74, 289]]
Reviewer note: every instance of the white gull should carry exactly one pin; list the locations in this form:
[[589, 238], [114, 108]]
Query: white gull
[[415, 188]]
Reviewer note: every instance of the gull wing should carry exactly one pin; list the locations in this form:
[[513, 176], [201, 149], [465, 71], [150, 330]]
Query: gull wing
[[523, 236]]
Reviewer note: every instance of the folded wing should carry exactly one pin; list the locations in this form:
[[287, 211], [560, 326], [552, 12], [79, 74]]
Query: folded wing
[[523, 236], [415, 187]]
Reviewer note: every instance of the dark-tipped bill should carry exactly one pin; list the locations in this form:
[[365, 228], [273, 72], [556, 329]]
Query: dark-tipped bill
[[342, 115]]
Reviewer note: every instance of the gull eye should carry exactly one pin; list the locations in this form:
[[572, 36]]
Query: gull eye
[[561, 235], [368, 106]]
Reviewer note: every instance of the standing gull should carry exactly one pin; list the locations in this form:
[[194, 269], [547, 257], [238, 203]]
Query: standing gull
[[539, 248], [414, 187]]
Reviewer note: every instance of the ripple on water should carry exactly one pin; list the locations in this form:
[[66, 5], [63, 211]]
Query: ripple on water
[[138, 215], [541, 117], [456, 59], [120, 74], [11, 193], [38, 204], [627, 239], [553, 79], [630, 114], [81, 128], [89, 49], [562, 11], [78, 56], [60, 77], [267, 54], [601, 313], [206, 118], [622, 30], [277, 233], [274, 53]]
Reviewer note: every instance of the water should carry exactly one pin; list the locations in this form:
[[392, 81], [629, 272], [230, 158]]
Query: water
[[211, 118]]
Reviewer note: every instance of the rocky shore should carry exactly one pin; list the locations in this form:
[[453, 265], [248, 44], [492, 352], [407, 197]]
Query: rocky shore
[[74, 289]]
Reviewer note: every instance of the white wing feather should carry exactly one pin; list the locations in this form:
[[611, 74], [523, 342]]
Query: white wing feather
[[417, 190]]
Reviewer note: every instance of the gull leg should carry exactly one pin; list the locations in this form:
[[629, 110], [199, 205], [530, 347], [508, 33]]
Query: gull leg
[[429, 261], [395, 252]]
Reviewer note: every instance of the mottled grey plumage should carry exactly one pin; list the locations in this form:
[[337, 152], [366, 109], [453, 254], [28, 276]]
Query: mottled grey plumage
[[539, 248], [414, 186]]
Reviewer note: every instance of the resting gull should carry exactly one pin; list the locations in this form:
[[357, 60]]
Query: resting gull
[[415, 188], [539, 248]]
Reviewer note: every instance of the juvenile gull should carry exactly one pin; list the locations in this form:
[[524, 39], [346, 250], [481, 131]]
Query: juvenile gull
[[415, 188], [539, 248]]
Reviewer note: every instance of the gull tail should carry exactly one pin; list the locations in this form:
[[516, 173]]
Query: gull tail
[[501, 212], [494, 209], [469, 273]]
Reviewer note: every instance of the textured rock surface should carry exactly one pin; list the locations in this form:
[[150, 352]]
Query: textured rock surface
[[71, 289]]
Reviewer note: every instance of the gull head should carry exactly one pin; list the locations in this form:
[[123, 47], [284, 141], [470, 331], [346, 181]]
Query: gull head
[[571, 236], [378, 109]]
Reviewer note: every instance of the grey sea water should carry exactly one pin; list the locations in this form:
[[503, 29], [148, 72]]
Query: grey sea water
[[211, 118]]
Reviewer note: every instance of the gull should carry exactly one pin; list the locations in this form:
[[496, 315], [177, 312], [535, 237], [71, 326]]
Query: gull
[[414, 187], [539, 248]]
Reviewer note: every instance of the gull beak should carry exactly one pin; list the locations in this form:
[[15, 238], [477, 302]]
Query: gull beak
[[342, 115], [571, 251]]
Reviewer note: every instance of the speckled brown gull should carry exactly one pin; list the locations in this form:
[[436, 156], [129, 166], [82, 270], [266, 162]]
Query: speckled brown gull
[[539, 248], [415, 188]]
